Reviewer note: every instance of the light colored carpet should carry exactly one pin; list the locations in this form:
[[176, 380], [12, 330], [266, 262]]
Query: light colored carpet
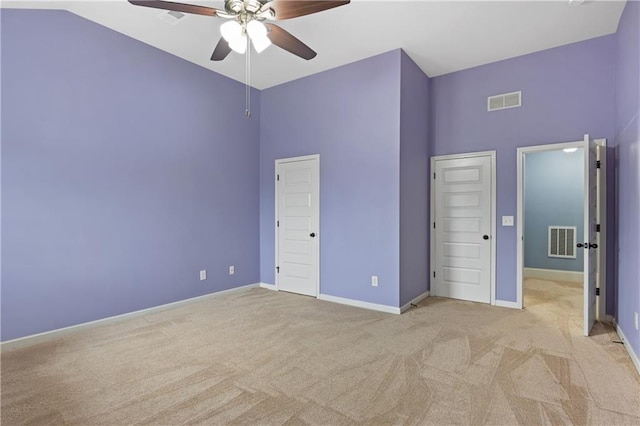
[[262, 357]]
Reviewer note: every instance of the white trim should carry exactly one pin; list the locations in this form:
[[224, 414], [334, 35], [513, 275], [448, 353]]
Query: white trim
[[414, 301], [494, 229], [293, 160], [553, 274], [268, 286], [463, 155], [46, 336], [359, 304], [432, 217], [632, 354], [508, 304]]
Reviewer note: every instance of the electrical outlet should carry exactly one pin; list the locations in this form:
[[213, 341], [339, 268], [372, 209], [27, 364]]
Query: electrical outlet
[[635, 319], [203, 275], [232, 270], [374, 280]]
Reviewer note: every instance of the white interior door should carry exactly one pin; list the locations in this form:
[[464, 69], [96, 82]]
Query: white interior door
[[463, 218], [589, 242], [601, 299], [297, 215]]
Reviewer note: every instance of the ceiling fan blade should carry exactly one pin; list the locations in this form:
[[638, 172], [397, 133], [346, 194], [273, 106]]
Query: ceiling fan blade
[[288, 42], [178, 7], [221, 51], [287, 9]]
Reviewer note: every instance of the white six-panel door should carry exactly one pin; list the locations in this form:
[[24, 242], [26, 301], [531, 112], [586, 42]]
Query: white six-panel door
[[463, 222], [297, 225]]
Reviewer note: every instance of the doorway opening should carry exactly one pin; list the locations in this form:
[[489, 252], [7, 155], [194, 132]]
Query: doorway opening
[[561, 219]]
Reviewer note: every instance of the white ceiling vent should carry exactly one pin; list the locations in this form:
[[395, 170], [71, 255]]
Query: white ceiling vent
[[504, 101], [172, 17]]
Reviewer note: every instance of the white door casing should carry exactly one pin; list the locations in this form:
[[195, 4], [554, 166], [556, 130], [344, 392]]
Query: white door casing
[[463, 194], [297, 225], [589, 243]]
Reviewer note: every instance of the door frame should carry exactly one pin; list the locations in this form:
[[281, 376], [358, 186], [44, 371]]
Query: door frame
[[432, 216], [601, 278], [278, 162]]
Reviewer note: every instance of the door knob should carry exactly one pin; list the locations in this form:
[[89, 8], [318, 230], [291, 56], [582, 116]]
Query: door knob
[[485, 237], [595, 246], [579, 245], [312, 235]]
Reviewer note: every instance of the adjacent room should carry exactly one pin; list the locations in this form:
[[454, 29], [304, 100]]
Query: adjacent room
[[553, 219], [320, 212]]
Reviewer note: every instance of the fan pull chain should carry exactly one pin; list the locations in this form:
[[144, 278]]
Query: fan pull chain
[[247, 85]]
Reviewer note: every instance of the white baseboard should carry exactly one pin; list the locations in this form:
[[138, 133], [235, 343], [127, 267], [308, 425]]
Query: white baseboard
[[268, 286], [507, 304], [46, 336], [415, 301], [360, 304], [553, 274], [630, 351]]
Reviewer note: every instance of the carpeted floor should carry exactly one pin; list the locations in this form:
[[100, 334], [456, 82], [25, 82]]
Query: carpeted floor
[[263, 357]]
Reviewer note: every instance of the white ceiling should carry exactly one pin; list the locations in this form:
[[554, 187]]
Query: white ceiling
[[440, 36]]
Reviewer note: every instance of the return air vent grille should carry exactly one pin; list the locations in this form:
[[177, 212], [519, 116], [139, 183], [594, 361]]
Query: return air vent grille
[[562, 242], [504, 101]]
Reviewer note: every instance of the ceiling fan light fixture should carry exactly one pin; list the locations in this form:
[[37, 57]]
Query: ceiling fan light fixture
[[239, 45], [258, 35], [233, 33]]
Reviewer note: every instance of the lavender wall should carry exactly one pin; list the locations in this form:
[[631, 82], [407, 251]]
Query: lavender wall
[[567, 91], [414, 181], [351, 117], [627, 145], [125, 170]]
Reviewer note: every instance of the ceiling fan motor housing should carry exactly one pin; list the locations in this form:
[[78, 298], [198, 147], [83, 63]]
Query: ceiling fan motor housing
[[245, 23]]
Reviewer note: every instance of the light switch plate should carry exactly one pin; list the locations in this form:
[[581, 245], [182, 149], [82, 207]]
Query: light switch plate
[[507, 220]]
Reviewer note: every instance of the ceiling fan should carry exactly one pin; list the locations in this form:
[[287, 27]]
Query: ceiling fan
[[246, 22]]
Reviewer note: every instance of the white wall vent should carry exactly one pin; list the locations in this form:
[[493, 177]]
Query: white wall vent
[[504, 101], [562, 242], [172, 17]]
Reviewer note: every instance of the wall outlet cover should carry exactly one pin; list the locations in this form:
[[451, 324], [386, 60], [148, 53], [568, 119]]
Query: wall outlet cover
[[203, 275]]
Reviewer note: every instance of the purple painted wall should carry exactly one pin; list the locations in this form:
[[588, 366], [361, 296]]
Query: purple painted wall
[[627, 146], [567, 91], [414, 181], [351, 117], [125, 171]]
